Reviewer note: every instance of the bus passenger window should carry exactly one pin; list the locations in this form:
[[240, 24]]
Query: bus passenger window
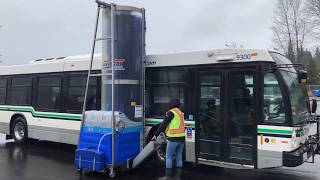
[[76, 91], [21, 91], [162, 86], [273, 108], [3, 91], [48, 93], [162, 97]]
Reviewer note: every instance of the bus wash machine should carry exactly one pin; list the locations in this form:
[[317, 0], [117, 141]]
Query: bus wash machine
[[112, 139]]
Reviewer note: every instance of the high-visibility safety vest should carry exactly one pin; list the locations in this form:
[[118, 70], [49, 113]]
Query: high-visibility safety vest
[[176, 126]]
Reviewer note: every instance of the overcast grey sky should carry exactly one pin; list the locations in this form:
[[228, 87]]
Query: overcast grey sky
[[33, 29]]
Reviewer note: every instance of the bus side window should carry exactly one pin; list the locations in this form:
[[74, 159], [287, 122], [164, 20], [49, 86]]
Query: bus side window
[[48, 93], [162, 97], [21, 91], [163, 85], [3, 90], [273, 108], [76, 91]]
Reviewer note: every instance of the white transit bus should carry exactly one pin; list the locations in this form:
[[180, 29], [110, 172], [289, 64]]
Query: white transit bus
[[243, 108]]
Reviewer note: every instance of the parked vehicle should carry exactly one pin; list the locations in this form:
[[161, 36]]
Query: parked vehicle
[[259, 118]]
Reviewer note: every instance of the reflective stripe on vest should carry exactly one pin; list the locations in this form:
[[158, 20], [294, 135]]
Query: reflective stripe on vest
[[176, 126]]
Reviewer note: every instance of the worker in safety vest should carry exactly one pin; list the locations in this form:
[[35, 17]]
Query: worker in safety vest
[[173, 125]]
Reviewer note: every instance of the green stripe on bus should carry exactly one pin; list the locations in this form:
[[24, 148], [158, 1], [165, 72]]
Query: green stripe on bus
[[42, 114], [148, 121], [153, 120], [274, 131], [3, 108]]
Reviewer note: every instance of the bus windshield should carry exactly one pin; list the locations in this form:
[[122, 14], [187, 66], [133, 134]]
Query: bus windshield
[[274, 112], [297, 92]]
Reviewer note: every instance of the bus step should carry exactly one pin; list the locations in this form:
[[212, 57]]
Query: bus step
[[104, 74], [102, 39]]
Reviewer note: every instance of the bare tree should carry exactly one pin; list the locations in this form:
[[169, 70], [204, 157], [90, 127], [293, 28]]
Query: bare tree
[[290, 27], [312, 9]]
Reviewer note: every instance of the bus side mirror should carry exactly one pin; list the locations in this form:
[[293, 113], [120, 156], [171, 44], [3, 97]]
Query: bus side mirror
[[302, 76], [314, 106]]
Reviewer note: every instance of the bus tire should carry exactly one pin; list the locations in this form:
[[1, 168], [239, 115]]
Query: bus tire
[[159, 155], [19, 130]]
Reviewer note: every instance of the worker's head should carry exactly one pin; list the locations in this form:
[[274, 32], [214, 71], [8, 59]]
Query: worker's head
[[211, 103], [174, 103]]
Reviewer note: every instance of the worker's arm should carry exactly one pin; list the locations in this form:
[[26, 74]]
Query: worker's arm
[[163, 126]]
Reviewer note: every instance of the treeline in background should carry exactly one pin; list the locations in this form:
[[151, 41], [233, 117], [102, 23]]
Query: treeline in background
[[296, 33]]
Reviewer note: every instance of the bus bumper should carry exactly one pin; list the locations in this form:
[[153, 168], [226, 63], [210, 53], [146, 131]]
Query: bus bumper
[[300, 155]]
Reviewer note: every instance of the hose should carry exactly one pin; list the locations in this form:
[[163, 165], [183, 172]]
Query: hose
[[118, 124], [101, 140]]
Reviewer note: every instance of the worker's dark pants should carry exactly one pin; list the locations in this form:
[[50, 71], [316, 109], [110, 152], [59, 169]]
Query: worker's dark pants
[[177, 149]]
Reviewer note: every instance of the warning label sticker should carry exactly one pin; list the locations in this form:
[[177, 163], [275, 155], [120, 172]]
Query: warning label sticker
[[117, 65], [138, 111]]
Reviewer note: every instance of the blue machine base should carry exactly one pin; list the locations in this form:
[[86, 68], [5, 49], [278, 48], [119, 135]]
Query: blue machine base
[[90, 159], [127, 146]]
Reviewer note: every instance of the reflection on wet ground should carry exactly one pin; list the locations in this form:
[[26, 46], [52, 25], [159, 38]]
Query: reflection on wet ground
[[53, 161]]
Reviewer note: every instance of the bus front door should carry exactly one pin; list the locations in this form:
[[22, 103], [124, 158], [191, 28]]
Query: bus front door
[[227, 129], [210, 129]]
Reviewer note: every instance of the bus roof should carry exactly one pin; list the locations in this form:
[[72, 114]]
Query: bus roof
[[209, 57], [51, 65], [81, 62]]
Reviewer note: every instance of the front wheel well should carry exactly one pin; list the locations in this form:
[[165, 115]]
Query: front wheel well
[[15, 116]]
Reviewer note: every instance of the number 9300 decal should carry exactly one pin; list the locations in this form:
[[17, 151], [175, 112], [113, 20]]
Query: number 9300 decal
[[241, 57]]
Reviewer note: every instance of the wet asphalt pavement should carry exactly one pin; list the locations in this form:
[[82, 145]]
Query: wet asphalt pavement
[[53, 161]]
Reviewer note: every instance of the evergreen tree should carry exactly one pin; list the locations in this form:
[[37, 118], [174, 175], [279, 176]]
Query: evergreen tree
[[316, 60], [313, 72], [309, 63], [317, 56]]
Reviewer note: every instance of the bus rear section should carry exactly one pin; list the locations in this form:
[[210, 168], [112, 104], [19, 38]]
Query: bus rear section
[[43, 100]]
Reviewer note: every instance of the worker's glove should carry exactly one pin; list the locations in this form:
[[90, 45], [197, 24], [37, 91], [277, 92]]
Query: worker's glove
[[154, 138]]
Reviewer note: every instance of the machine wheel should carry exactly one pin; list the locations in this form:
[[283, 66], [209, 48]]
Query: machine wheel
[[19, 130], [112, 173], [80, 170]]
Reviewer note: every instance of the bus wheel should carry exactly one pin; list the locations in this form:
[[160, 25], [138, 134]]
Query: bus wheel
[[19, 130], [161, 154]]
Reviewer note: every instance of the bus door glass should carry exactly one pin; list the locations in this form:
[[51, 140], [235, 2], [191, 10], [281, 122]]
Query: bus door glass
[[240, 121], [210, 121], [226, 107]]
